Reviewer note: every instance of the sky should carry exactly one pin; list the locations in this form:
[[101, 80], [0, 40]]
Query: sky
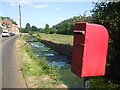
[[42, 13]]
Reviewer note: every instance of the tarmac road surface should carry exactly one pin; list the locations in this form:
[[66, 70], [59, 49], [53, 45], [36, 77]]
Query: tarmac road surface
[[11, 75]]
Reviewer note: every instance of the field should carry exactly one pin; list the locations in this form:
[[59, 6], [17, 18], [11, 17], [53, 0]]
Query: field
[[58, 38]]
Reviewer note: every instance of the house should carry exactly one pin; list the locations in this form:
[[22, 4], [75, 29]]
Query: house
[[10, 24]]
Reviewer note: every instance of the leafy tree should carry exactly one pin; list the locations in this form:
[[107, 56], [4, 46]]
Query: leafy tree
[[70, 28], [34, 28], [47, 29], [27, 28], [41, 30], [53, 30], [67, 26], [22, 30], [108, 14]]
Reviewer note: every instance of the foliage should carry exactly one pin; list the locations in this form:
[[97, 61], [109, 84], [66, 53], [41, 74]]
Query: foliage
[[47, 29], [67, 26], [34, 28], [27, 28], [1, 17], [31, 33], [53, 30], [108, 14], [22, 30], [101, 82], [41, 30]]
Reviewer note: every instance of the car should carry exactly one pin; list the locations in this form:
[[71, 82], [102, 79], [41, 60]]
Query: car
[[11, 33], [5, 33]]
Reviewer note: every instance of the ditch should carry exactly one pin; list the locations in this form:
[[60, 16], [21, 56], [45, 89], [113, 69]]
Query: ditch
[[54, 58]]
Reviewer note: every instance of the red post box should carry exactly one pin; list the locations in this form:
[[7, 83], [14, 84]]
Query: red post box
[[89, 50]]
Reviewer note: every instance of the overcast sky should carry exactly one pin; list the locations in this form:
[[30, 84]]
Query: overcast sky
[[42, 13]]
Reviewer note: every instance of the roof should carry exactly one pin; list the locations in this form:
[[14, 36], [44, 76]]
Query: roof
[[8, 21]]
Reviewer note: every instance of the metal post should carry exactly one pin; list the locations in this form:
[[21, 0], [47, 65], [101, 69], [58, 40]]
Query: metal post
[[86, 82]]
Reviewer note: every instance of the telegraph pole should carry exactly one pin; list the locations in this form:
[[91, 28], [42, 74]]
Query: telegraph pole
[[20, 20]]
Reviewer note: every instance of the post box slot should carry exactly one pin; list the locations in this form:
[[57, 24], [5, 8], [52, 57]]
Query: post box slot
[[79, 32]]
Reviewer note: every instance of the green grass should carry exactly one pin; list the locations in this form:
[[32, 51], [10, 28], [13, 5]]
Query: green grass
[[96, 82], [38, 69], [102, 82], [39, 65], [34, 68], [58, 38]]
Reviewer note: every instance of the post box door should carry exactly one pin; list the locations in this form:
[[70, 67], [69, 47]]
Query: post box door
[[89, 50], [78, 48]]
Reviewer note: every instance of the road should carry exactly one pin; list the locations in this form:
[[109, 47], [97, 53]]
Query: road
[[11, 76]]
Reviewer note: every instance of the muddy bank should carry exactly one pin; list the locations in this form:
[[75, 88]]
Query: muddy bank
[[61, 48]]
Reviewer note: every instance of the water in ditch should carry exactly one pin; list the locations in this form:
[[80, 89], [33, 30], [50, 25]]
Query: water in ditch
[[52, 57], [56, 59]]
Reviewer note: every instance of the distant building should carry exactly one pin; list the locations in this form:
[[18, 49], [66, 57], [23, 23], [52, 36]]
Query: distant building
[[1, 25], [10, 24]]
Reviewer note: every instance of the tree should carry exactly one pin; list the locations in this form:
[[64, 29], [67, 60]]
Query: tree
[[53, 30], [47, 29], [108, 14], [41, 30], [27, 28], [34, 28], [70, 28]]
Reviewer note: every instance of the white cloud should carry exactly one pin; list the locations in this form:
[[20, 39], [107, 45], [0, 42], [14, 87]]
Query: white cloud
[[22, 2], [57, 8], [42, 6], [28, 3]]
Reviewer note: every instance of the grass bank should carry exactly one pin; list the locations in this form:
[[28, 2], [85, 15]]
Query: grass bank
[[96, 82], [38, 74], [57, 38]]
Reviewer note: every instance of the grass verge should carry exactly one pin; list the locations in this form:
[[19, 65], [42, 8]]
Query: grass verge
[[38, 74], [36, 71]]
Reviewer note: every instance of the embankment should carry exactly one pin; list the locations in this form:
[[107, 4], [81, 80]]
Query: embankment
[[61, 48]]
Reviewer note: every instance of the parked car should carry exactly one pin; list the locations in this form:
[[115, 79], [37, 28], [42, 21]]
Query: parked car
[[5, 33], [11, 33]]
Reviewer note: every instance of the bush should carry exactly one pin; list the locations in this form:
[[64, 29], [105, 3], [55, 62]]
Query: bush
[[31, 33], [108, 14], [53, 30]]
